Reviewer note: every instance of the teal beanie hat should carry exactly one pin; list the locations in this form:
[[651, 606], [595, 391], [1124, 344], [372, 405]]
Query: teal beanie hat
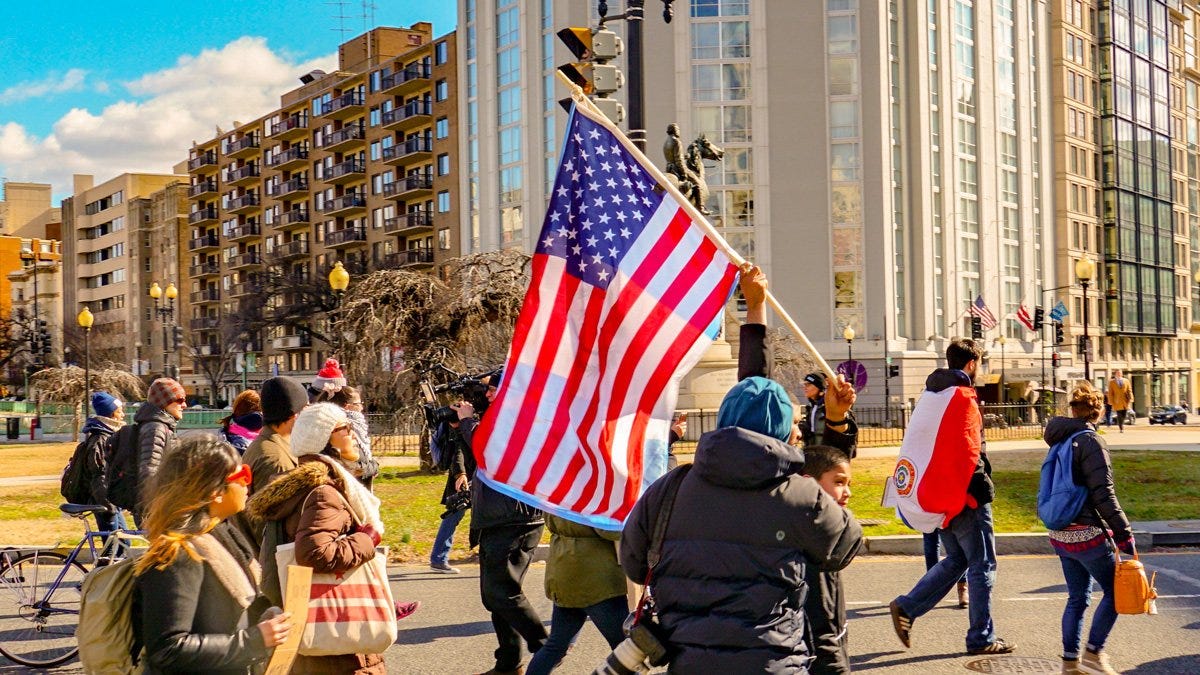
[[760, 405]]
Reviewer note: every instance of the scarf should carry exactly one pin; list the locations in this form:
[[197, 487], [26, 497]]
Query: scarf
[[364, 504]]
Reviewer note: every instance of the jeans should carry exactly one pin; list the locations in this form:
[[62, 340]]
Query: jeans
[[565, 624], [108, 521], [970, 547], [445, 538], [930, 540], [1079, 570], [504, 556]]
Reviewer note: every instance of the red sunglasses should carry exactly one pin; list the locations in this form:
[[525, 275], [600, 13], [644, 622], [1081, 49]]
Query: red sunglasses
[[241, 475]]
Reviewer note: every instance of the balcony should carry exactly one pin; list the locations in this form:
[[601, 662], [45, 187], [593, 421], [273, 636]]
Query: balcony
[[292, 158], [205, 323], [201, 216], [294, 186], [410, 151], [295, 126], [203, 163], [407, 80], [205, 269], [291, 342], [204, 243], [244, 289], [349, 236], [414, 222], [202, 188], [297, 248], [413, 258], [246, 146], [355, 201], [409, 187], [292, 219], [343, 139], [210, 294], [244, 260], [244, 204], [411, 115], [248, 230], [346, 172], [243, 175], [345, 106]]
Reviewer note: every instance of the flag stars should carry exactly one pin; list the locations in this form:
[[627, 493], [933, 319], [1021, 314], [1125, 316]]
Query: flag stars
[[625, 233], [637, 215], [554, 216], [603, 274], [569, 166], [572, 233], [612, 253], [592, 241], [593, 186], [576, 249], [621, 216], [561, 191], [562, 231], [574, 176], [609, 234], [548, 241], [598, 201], [604, 218], [582, 266], [593, 134], [589, 170], [597, 258], [606, 167], [578, 138], [611, 183], [616, 149], [601, 151], [625, 181]]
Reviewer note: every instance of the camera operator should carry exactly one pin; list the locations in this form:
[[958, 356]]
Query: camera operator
[[507, 532], [455, 496]]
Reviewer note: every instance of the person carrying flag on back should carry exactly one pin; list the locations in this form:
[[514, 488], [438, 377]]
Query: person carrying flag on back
[[952, 482]]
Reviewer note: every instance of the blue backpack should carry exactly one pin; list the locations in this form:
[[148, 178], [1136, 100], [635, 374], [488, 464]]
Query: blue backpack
[[1059, 499]]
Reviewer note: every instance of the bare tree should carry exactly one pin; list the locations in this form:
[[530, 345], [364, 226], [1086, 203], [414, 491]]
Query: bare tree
[[216, 356], [68, 384]]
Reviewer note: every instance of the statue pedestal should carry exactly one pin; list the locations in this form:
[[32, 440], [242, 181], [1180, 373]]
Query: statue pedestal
[[706, 384]]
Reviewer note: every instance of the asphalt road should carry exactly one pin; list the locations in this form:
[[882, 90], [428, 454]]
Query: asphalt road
[[451, 633]]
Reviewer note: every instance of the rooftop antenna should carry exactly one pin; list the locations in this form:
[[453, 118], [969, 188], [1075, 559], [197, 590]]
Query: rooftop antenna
[[341, 16], [368, 15]]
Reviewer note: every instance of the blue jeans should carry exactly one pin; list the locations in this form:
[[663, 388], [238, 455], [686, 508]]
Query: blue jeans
[[565, 624], [108, 521], [970, 547], [1079, 570], [930, 541], [445, 538]]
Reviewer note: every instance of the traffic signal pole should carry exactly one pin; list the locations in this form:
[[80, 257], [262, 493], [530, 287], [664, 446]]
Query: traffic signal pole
[[634, 16]]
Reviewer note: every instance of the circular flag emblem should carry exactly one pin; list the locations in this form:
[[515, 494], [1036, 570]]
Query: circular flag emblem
[[905, 477]]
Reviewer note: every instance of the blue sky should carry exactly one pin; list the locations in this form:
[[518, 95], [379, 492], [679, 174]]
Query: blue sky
[[75, 72]]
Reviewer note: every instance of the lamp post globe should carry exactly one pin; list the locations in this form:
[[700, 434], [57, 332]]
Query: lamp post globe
[[85, 320], [155, 291], [848, 336], [1084, 270]]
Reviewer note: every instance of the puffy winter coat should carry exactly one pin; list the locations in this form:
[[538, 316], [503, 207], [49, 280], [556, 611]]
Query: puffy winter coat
[[96, 431], [1091, 468], [156, 434], [746, 525], [582, 569]]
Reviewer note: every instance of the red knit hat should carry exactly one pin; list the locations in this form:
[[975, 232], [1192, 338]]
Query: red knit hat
[[329, 377]]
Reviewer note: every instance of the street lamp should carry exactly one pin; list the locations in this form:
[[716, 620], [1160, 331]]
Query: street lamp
[[86, 320], [339, 280], [1084, 269], [848, 334], [1003, 379], [165, 313]]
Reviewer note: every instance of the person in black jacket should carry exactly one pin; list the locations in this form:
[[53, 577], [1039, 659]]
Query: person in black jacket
[[825, 606], [1082, 546], [507, 532], [458, 480], [745, 527], [969, 537], [156, 419], [198, 581]]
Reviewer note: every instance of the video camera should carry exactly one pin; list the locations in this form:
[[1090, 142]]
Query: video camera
[[469, 388]]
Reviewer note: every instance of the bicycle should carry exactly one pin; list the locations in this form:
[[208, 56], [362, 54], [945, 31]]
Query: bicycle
[[40, 592]]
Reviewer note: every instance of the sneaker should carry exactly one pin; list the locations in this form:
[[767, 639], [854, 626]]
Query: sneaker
[[963, 600], [443, 568], [901, 623], [1095, 662], [1070, 666], [406, 609], [996, 646]]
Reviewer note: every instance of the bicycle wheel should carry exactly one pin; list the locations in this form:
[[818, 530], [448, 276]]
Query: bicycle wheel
[[39, 613]]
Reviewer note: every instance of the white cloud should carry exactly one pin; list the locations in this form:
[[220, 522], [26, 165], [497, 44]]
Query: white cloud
[[152, 129], [72, 80]]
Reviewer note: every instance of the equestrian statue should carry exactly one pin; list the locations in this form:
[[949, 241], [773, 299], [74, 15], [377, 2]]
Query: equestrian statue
[[687, 166]]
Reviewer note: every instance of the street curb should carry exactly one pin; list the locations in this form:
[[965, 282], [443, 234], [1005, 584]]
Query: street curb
[[1020, 543]]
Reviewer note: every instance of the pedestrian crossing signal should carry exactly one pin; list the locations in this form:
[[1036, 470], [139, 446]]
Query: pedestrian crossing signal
[[976, 328]]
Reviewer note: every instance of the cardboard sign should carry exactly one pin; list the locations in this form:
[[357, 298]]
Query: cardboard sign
[[295, 600]]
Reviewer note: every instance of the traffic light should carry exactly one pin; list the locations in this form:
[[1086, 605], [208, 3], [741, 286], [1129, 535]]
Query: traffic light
[[1059, 338], [893, 371], [593, 49], [1085, 347], [976, 328], [1054, 359], [1039, 318], [178, 337]]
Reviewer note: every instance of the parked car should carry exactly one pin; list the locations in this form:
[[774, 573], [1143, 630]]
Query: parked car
[[1168, 414]]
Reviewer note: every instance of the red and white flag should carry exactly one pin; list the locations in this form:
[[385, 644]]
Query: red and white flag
[[1025, 317], [625, 297]]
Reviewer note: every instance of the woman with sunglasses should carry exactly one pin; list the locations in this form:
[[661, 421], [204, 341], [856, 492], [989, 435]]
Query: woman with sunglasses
[[331, 517], [197, 606]]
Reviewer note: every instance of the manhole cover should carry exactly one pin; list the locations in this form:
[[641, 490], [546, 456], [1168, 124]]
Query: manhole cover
[[1014, 664], [872, 521]]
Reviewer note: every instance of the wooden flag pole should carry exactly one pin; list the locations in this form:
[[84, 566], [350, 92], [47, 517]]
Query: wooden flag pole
[[581, 100]]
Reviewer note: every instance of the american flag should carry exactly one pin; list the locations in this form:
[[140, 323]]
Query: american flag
[[625, 296], [980, 309], [1025, 317]]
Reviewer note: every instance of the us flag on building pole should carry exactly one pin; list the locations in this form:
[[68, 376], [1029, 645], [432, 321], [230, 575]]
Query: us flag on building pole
[[980, 309], [1025, 317], [625, 296]]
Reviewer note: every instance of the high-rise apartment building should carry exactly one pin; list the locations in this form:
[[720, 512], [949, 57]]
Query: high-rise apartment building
[[358, 166], [162, 227], [104, 259]]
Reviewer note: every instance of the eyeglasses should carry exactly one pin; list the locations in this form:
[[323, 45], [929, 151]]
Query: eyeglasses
[[180, 401], [241, 475]]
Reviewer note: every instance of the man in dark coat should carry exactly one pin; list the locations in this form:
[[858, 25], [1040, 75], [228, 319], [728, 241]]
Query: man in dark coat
[[156, 420], [730, 585]]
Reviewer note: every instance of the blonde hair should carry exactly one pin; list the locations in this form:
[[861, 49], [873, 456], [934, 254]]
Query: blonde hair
[[1087, 402], [188, 477]]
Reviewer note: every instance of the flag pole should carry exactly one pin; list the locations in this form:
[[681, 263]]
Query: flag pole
[[736, 258]]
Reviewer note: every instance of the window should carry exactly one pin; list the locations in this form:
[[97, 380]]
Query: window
[[442, 91], [441, 53], [443, 201], [443, 164], [444, 239], [443, 128]]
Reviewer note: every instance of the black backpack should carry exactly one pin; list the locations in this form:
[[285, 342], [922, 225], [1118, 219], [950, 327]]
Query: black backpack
[[121, 466], [76, 484]]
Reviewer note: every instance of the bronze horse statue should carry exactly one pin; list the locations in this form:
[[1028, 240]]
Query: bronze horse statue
[[688, 166]]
